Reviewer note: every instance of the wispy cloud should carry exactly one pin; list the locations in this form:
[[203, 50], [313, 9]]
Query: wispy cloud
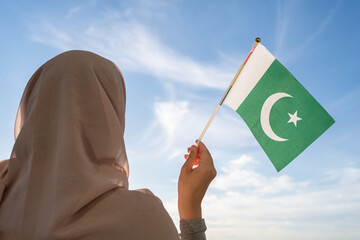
[[72, 11], [344, 104], [285, 16], [133, 46], [54, 36], [282, 23], [318, 31]]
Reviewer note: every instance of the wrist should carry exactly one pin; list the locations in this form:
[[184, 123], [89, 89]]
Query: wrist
[[189, 210]]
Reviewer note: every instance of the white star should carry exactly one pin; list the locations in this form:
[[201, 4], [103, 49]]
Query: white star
[[294, 118]]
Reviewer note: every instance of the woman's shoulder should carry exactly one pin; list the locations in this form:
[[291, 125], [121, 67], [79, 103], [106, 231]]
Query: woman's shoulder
[[142, 210], [141, 198]]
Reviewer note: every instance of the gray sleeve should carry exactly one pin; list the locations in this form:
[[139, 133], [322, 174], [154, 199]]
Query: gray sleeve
[[192, 229]]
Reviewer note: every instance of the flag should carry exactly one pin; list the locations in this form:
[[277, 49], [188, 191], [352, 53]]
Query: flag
[[282, 115]]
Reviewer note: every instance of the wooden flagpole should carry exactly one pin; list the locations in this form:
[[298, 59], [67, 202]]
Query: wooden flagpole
[[257, 40]]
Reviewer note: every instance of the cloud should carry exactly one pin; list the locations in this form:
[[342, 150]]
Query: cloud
[[170, 114], [257, 206], [319, 30], [344, 103], [72, 11], [56, 37], [282, 23], [132, 45], [237, 176], [176, 118], [285, 12]]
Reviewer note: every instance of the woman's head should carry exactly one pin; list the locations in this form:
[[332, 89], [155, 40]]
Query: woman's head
[[75, 103]]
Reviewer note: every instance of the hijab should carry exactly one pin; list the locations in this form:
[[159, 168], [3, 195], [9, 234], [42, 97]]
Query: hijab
[[67, 177]]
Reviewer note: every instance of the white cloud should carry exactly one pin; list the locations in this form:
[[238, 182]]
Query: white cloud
[[237, 175], [171, 114], [262, 207], [345, 176], [177, 124], [132, 46], [56, 37], [255, 206]]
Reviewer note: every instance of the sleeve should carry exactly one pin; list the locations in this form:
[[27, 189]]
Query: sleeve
[[192, 229]]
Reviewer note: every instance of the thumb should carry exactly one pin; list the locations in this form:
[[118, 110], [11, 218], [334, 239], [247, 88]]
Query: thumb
[[190, 160]]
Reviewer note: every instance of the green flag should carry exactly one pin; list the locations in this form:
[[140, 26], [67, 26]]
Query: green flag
[[284, 118]]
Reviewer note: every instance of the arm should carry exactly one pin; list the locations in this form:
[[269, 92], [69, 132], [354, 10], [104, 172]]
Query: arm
[[192, 186]]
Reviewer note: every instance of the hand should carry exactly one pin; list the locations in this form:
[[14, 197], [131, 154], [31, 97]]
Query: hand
[[194, 181]]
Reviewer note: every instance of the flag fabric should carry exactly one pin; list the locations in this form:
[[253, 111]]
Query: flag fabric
[[282, 115]]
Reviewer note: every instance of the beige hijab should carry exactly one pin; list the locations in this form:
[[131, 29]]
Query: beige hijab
[[67, 177]]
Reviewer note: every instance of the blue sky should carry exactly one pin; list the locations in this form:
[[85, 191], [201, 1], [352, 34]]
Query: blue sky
[[177, 58]]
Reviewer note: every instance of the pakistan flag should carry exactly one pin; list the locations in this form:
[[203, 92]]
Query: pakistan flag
[[283, 116]]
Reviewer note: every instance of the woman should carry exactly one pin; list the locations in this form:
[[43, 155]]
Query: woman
[[67, 177]]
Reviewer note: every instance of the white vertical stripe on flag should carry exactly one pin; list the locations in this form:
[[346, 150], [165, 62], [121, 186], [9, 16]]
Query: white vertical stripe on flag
[[258, 63]]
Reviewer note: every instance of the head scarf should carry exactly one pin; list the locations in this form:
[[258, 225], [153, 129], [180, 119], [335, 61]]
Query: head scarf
[[67, 177]]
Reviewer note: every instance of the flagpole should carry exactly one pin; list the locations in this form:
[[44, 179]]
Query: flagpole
[[257, 40]]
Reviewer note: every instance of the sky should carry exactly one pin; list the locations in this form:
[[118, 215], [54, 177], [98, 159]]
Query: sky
[[177, 58]]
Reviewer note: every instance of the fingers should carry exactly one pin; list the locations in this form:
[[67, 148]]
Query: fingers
[[205, 156], [198, 155], [190, 158], [202, 147]]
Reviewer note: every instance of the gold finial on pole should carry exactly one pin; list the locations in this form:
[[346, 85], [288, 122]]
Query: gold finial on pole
[[257, 40]]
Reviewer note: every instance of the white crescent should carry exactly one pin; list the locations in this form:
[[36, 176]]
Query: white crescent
[[265, 115]]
